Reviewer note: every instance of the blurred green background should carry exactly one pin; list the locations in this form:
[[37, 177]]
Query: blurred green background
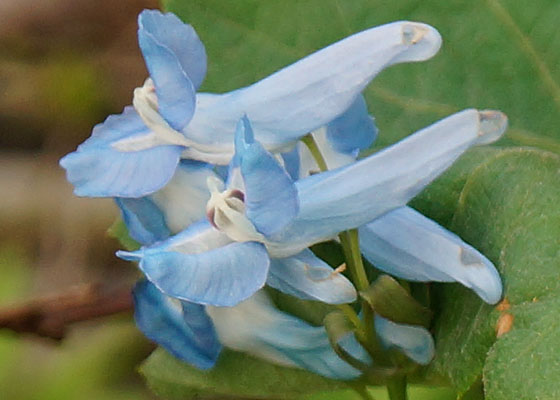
[[66, 64]]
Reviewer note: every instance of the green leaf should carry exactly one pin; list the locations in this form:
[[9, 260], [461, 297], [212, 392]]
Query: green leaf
[[508, 209], [523, 364], [390, 300], [235, 375]]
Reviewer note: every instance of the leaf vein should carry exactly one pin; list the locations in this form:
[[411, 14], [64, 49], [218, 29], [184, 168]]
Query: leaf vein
[[526, 46]]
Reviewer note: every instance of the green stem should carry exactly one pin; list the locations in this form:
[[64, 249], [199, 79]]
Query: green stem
[[315, 152], [351, 246], [354, 263], [396, 387]]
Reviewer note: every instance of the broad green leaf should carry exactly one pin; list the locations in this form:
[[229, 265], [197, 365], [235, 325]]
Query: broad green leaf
[[523, 364], [235, 375], [508, 209]]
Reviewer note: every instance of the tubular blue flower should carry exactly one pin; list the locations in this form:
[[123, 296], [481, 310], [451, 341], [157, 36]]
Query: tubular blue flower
[[195, 334], [135, 153], [263, 214], [408, 245]]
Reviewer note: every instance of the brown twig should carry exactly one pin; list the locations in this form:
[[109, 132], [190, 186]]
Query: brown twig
[[50, 316]]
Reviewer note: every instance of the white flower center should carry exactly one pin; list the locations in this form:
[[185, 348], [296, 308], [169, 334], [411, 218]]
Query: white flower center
[[226, 211], [145, 103]]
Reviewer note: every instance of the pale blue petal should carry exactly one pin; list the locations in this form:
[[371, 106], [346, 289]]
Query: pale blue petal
[[292, 162], [176, 94], [414, 341], [180, 38], [310, 278], [351, 196], [315, 90], [270, 194], [408, 245], [144, 220], [171, 209], [96, 169], [183, 329], [199, 237], [354, 130], [222, 277], [257, 328], [183, 200]]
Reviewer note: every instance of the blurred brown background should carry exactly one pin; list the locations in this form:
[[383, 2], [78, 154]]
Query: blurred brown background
[[64, 66]]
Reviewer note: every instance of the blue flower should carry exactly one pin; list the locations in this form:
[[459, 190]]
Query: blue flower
[[136, 153], [195, 334], [261, 222]]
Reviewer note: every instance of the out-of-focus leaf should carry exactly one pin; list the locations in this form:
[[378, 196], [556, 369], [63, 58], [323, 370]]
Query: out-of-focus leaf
[[380, 393], [235, 375]]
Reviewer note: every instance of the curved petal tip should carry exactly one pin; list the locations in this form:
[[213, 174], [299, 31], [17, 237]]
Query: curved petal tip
[[492, 126], [424, 42]]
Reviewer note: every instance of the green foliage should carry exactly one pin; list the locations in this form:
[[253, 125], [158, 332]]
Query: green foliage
[[235, 375], [496, 54], [508, 209]]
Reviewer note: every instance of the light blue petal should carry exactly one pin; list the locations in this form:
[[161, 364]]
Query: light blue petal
[[257, 328], [310, 278], [180, 38], [222, 277], [351, 196], [175, 91], [197, 238], [292, 162], [414, 341], [408, 245], [96, 169], [315, 90], [183, 329], [171, 209], [270, 194], [183, 200], [144, 220], [354, 130]]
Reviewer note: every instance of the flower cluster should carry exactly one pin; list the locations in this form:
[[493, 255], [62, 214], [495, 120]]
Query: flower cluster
[[214, 236]]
